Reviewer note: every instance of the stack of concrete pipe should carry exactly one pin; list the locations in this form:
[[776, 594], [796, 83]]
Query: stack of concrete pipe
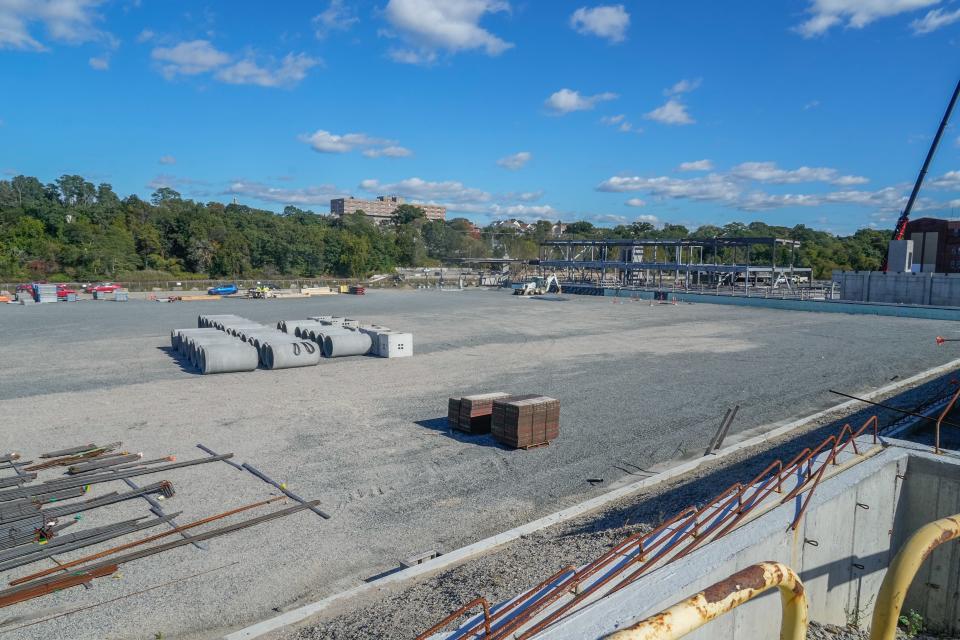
[[213, 351], [293, 343], [275, 349]]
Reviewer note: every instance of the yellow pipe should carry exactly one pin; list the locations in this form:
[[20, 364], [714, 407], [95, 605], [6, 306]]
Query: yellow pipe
[[902, 570], [724, 596]]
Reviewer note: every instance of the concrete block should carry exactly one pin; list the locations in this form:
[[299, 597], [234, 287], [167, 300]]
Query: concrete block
[[394, 344]]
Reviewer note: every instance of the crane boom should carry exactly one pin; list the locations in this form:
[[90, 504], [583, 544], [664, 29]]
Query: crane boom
[[901, 228]]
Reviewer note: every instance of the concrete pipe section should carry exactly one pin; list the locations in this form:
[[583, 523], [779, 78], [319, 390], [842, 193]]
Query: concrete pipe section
[[177, 336], [227, 358], [205, 321], [291, 354], [319, 335], [291, 326], [352, 343]]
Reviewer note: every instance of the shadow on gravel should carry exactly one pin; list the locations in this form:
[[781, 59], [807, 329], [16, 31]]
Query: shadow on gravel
[[182, 362], [660, 503], [440, 425]]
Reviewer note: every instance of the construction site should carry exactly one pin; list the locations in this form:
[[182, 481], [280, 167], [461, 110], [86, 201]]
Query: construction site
[[399, 497]]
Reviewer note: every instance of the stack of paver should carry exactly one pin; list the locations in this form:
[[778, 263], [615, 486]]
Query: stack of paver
[[474, 412], [525, 421]]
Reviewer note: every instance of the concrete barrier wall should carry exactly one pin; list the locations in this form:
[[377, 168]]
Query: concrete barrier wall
[[932, 492], [818, 306], [855, 524], [938, 289]]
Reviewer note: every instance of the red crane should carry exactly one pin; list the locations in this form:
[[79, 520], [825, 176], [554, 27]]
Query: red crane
[[900, 230]]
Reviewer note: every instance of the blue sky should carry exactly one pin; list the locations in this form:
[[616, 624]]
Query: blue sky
[[802, 111]]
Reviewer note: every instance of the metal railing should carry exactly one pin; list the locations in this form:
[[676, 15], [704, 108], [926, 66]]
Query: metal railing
[[725, 596], [636, 555]]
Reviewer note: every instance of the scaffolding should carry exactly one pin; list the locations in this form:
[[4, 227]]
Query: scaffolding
[[732, 265]]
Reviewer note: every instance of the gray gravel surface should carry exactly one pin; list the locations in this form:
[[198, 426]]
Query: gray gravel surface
[[818, 631], [638, 385]]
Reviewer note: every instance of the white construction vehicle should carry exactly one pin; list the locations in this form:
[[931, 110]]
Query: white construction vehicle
[[537, 286]]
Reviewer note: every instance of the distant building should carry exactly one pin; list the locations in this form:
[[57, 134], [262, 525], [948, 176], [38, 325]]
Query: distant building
[[382, 208], [556, 229], [936, 244], [513, 223]]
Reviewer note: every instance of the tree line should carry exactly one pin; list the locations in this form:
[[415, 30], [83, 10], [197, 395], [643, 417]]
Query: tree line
[[72, 230]]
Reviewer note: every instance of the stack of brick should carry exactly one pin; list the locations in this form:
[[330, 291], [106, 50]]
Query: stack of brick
[[453, 413], [474, 412], [526, 421]]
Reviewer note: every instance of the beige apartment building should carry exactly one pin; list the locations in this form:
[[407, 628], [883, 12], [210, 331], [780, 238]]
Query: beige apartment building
[[382, 208]]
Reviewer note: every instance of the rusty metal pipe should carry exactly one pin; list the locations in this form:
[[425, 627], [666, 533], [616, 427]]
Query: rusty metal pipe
[[904, 567], [947, 409], [456, 614], [723, 597]]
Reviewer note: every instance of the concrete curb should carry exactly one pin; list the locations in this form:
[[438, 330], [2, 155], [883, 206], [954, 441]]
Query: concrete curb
[[483, 546]]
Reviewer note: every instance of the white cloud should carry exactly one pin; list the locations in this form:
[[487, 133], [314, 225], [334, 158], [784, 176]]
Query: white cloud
[[429, 26], [392, 151], [849, 181], [448, 191], [769, 172], [335, 17], [146, 36], [189, 58], [522, 196], [307, 196], [934, 20], [636, 202], [168, 160], [197, 57], [813, 104], [101, 63], [409, 56], [325, 142], [714, 187], [853, 14], [683, 86], [606, 21], [621, 123], [516, 160], [672, 112], [525, 211], [567, 100], [696, 165], [291, 70], [652, 219], [67, 21], [732, 190], [949, 180]]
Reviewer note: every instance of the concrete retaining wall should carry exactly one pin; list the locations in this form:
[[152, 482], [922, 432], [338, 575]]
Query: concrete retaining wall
[[819, 306], [937, 289], [854, 525], [932, 491]]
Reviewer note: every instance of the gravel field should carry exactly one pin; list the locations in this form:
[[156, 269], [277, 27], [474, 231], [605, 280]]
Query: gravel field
[[638, 385]]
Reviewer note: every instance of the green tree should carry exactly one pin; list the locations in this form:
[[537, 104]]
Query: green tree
[[407, 213]]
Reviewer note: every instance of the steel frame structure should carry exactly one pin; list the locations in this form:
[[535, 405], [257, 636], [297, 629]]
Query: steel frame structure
[[644, 263]]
